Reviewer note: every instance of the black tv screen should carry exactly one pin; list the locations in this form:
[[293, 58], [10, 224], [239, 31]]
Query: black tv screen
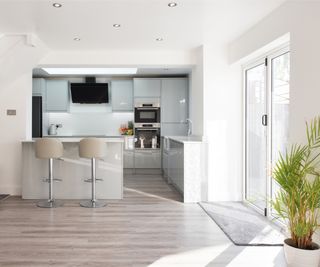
[[89, 93]]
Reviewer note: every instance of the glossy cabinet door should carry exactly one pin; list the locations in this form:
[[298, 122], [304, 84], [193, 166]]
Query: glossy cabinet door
[[57, 96], [128, 159], [39, 89], [147, 87], [176, 165], [174, 129], [147, 159], [174, 100], [38, 86], [122, 95]]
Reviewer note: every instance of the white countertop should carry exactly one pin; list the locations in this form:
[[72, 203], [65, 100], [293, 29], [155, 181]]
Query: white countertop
[[186, 139], [65, 139]]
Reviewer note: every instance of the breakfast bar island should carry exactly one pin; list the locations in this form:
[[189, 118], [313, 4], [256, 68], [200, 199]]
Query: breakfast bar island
[[73, 171]]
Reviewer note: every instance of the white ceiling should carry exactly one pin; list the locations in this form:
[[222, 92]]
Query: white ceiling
[[190, 24], [153, 72]]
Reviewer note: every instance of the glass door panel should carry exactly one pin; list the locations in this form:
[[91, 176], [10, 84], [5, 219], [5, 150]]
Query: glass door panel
[[256, 141], [280, 100]]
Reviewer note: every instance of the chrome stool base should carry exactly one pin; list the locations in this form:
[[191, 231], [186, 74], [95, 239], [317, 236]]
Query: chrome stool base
[[93, 204], [50, 204]]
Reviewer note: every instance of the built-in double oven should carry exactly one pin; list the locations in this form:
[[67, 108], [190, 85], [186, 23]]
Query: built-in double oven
[[147, 112], [147, 124]]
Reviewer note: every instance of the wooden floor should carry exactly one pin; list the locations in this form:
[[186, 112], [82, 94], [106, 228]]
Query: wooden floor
[[149, 227]]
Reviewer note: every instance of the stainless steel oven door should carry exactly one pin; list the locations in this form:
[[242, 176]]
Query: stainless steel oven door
[[147, 115], [147, 138]]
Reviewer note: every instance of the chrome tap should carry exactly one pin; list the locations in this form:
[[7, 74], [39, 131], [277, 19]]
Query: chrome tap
[[189, 126]]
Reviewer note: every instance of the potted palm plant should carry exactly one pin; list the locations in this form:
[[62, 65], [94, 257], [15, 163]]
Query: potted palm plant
[[298, 199]]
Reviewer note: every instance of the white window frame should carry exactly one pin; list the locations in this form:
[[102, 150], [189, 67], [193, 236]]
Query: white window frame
[[264, 58]]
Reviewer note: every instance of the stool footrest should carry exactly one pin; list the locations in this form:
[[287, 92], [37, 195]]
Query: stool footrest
[[46, 180], [90, 180]]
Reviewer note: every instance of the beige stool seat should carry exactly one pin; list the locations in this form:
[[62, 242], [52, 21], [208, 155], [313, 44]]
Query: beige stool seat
[[92, 148], [49, 148]]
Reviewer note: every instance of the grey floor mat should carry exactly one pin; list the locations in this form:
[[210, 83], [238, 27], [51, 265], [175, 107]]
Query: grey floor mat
[[243, 225]]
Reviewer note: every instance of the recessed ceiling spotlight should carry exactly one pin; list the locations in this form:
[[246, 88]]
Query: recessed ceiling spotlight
[[57, 5], [116, 25], [159, 39], [76, 39], [172, 4]]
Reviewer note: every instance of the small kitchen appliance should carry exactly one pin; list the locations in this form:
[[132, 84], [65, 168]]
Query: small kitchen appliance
[[53, 129]]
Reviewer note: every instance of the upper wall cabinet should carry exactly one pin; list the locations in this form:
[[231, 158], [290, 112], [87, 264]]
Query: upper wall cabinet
[[57, 96], [147, 87], [122, 95], [174, 100], [38, 86]]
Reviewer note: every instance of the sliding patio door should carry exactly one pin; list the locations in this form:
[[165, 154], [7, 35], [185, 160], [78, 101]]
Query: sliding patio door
[[256, 135], [267, 87], [280, 100]]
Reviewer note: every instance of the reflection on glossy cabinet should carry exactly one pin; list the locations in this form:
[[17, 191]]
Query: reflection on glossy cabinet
[[57, 96], [128, 159], [174, 129], [147, 159], [38, 86], [39, 89], [122, 95], [176, 165], [147, 87], [174, 100]]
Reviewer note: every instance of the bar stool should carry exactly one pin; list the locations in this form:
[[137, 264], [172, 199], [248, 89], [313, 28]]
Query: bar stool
[[49, 148], [92, 148]]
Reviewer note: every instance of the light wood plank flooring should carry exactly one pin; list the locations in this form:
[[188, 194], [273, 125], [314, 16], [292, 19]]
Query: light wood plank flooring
[[149, 227]]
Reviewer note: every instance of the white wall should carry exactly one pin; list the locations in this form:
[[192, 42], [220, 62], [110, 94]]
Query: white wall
[[13, 129], [16, 65], [222, 124], [302, 21]]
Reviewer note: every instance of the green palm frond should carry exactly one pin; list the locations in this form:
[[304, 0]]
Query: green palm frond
[[298, 175]]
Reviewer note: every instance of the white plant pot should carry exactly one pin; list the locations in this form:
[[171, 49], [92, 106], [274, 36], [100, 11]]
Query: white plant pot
[[296, 257]]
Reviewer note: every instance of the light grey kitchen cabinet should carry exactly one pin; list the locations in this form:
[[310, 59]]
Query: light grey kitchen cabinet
[[147, 87], [38, 86], [174, 129], [147, 159], [122, 95], [57, 96], [128, 159], [176, 165], [174, 100], [165, 156]]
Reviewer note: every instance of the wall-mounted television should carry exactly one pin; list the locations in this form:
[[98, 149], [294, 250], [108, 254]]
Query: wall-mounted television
[[89, 93]]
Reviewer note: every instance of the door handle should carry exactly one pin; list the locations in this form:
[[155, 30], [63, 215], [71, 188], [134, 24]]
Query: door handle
[[264, 120]]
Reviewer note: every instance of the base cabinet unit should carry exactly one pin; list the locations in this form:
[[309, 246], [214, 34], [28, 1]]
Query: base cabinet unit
[[57, 96], [186, 167], [176, 165], [122, 95], [147, 159], [128, 159]]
